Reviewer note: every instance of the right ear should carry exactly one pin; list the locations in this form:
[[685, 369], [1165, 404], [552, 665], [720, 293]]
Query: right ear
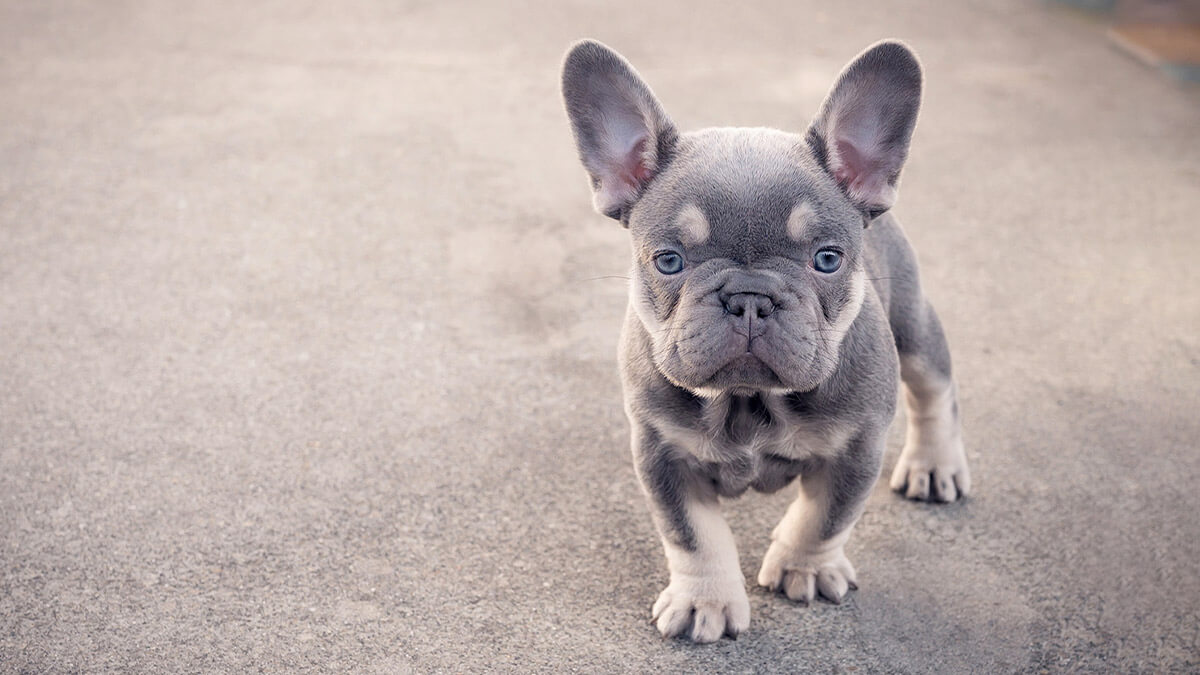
[[620, 128], [862, 133]]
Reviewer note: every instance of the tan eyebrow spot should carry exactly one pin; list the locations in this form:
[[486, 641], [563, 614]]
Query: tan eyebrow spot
[[802, 214], [693, 226]]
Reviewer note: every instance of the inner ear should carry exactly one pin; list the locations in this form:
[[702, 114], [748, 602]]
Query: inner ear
[[851, 163], [633, 166], [640, 170]]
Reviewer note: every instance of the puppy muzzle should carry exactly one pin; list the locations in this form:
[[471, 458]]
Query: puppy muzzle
[[750, 299]]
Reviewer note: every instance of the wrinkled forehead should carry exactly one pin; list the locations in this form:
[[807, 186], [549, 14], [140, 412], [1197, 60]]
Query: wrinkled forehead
[[746, 193]]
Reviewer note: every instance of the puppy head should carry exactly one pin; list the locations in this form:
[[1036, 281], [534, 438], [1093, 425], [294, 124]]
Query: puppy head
[[748, 260]]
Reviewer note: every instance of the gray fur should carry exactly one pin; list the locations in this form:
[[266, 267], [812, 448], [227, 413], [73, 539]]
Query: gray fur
[[750, 368], [666, 484], [893, 269]]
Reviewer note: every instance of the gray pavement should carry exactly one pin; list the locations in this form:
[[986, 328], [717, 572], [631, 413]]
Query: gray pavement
[[307, 342]]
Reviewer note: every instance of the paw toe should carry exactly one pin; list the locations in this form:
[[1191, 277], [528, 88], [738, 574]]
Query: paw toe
[[918, 485], [737, 618], [832, 585], [708, 624], [674, 621], [663, 601], [944, 488], [962, 480], [770, 576], [800, 586]]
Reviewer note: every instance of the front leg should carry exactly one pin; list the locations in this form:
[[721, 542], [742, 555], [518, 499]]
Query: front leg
[[706, 597], [806, 556]]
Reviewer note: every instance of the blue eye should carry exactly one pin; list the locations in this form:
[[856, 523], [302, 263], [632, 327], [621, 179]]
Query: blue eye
[[668, 262], [827, 261]]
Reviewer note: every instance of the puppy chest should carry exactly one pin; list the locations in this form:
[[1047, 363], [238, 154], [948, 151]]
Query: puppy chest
[[765, 467], [755, 447]]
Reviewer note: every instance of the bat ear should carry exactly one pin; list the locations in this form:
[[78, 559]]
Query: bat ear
[[862, 132], [619, 126]]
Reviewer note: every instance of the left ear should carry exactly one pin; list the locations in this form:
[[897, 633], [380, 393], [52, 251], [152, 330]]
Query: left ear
[[862, 132]]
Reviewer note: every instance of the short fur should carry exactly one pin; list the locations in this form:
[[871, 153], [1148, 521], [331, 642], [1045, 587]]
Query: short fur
[[749, 368]]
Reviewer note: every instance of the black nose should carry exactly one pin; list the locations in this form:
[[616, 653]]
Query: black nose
[[757, 305]]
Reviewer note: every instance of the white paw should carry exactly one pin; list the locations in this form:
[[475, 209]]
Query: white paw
[[802, 575], [932, 471], [703, 608]]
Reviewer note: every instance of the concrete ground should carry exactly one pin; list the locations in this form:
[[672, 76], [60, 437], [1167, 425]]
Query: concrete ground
[[307, 342]]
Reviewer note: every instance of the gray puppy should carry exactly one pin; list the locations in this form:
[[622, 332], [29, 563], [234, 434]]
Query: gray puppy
[[774, 306]]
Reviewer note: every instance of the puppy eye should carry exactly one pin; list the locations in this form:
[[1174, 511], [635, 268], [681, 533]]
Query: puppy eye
[[668, 262], [827, 261]]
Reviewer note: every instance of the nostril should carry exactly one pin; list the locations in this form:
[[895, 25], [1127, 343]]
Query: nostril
[[759, 306]]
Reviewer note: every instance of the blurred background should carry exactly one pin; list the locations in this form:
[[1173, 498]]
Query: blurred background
[[308, 334]]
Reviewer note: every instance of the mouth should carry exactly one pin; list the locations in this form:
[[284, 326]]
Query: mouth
[[744, 372]]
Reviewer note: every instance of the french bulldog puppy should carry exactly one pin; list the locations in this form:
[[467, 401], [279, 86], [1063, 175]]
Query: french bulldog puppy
[[774, 307]]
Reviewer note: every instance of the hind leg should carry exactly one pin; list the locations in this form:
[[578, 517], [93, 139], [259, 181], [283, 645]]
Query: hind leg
[[933, 464]]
